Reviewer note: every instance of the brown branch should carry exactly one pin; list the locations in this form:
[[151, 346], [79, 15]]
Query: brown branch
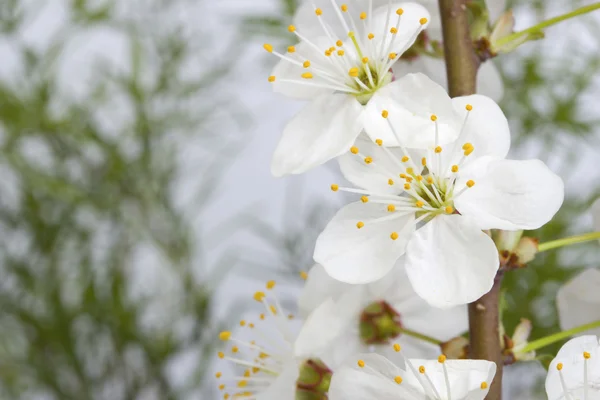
[[462, 64]]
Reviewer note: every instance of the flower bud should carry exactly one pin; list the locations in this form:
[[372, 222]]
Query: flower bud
[[456, 348], [503, 28]]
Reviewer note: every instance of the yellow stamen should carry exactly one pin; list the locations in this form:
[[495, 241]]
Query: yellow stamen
[[292, 28], [407, 186], [365, 60], [379, 142], [319, 12], [423, 21], [391, 208], [390, 182], [360, 224], [361, 363], [400, 11], [405, 159], [259, 296], [307, 75], [242, 323], [221, 354], [449, 209], [270, 285], [438, 149], [470, 183], [419, 204], [586, 355], [393, 56], [354, 150], [303, 275], [559, 366], [225, 335], [385, 113], [235, 349], [291, 49], [371, 36], [393, 30], [368, 160], [398, 379], [424, 161], [268, 47], [394, 235], [344, 7], [339, 43], [429, 180], [419, 178], [363, 15], [340, 53], [422, 369], [410, 171], [218, 375], [433, 117], [455, 168], [397, 347], [469, 107], [272, 78], [353, 72], [442, 359], [334, 187], [484, 385], [364, 199]]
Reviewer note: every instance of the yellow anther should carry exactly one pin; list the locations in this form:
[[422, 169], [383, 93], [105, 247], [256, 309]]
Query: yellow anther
[[363, 15], [483, 385], [442, 359], [360, 224], [559, 366], [225, 335], [397, 347], [410, 171], [390, 182], [242, 323], [242, 383], [393, 30], [409, 179], [407, 186], [290, 316], [467, 145], [344, 7], [469, 107], [469, 151], [364, 199], [422, 369], [306, 64], [470, 183], [334, 187], [262, 316], [272, 78], [405, 159], [394, 235], [361, 363], [247, 373], [291, 49], [340, 53], [226, 396], [221, 354], [339, 43], [424, 161], [371, 36], [433, 117], [368, 160], [270, 285], [354, 150], [400, 11], [251, 326], [419, 204], [379, 142], [218, 375], [268, 47], [398, 379], [385, 113], [328, 53], [403, 176], [393, 56], [292, 28], [438, 149], [419, 178], [303, 275], [319, 12], [586, 355], [455, 168], [423, 21], [235, 349], [449, 209], [273, 309], [221, 386], [391, 208], [353, 72], [255, 370], [429, 180], [307, 75], [259, 296], [365, 60]]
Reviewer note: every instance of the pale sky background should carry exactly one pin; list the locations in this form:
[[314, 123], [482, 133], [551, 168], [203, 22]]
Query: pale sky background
[[249, 182]]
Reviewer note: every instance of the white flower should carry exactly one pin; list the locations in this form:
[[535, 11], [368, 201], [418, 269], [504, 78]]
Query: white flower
[[374, 377], [575, 372], [341, 64], [578, 300], [489, 80], [363, 318], [278, 362], [450, 193]]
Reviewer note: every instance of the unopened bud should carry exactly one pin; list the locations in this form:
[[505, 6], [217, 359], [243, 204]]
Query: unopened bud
[[526, 250], [455, 349], [503, 28]]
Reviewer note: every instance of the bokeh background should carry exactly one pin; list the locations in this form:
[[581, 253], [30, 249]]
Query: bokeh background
[[137, 210]]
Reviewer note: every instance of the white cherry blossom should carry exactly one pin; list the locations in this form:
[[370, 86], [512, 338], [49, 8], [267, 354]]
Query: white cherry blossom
[[578, 300], [373, 377], [370, 317], [342, 62], [434, 205], [575, 372]]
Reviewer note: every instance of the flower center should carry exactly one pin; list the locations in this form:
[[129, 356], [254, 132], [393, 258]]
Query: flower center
[[313, 380], [379, 323]]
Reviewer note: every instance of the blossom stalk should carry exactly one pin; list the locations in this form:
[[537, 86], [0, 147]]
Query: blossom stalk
[[557, 337], [554, 244]]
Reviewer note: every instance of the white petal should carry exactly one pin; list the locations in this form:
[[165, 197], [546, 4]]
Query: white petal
[[410, 101], [327, 323], [374, 381], [284, 387], [364, 255], [486, 128], [489, 81], [441, 324], [465, 376], [407, 29], [578, 301], [596, 214], [285, 70], [319, 287], [571, 356], [324, 129], [450, 261], [376, 175], [511, 194]]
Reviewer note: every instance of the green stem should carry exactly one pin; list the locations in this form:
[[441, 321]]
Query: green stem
[[568, 241], [424, 338], [548, 340], [547, 23]]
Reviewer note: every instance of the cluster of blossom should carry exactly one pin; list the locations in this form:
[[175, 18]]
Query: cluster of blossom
[[384, 308]]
